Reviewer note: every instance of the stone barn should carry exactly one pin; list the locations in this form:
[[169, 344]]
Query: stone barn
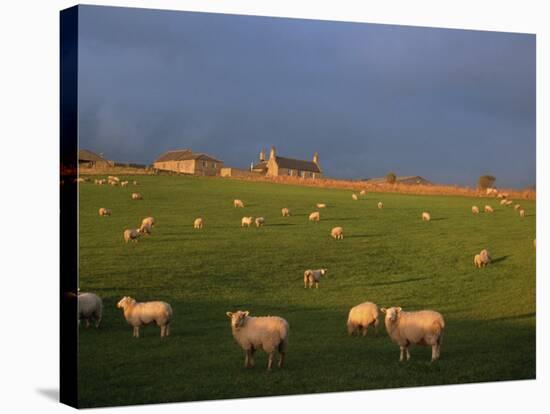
[[186, 161], [89, 159], [277, 166]]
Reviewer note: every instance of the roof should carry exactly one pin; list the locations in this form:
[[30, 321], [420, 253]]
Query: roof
[[301, 165], [87, 155], [183, 155], [262, 165]]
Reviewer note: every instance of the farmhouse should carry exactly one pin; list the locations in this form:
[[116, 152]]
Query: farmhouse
[[277, 166], [185, 161], [89, 159]]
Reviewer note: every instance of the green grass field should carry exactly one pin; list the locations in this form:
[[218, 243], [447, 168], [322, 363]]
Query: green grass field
[[388, 256]]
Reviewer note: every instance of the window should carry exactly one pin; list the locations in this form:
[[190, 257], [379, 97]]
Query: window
[[289, 172], [204, 164]]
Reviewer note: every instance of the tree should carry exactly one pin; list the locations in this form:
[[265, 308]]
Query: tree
[[486, 181], [391, 177]]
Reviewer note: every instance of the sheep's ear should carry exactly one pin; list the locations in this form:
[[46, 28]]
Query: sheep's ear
[[383, 310], [246, 313], [229, 314], [399, 309]]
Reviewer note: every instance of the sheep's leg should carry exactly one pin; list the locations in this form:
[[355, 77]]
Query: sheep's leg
[[281, 359], [167, 332], [251, 357], [402, 354], [162, 331], [246, 358], [270, 361], [316, 285], [98, 321], [408, 353], [305, 282], [136, 331]]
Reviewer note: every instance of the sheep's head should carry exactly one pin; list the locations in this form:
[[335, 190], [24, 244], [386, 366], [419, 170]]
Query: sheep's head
[[392, 314], [125, 301], [237, 318], [324, 271]]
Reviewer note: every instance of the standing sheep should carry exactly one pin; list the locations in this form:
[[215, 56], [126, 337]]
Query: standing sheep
[[247, 221], [135, 182], [475, 210], [337, 233], [517, 207], [285, 212], [315, 216], [362, 192], [137, 196], [321, 205], [131, 234], [361, 317], [354, 196], [488, 209], [139, 314], [104, 211], [503, 202], [477, 261], [426, 216], [145, 228], [380, 205], [485, 257], [522, 213], [313, 276], [422, 327], [124, 184], [148, 221], [198, 223], [90, 308], [238, 203], [269, 333], [260, 221]]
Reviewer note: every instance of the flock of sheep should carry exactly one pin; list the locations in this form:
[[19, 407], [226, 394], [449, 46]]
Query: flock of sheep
[[270, 333]]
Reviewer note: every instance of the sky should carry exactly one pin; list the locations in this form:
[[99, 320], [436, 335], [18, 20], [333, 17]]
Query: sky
[[448, 105]]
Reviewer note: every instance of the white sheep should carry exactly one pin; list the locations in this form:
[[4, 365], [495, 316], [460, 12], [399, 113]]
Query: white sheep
[[362, 316], [362, 192], [268, 333], [113, 178], [238, 203], [509, 202], [104, 211], [285, 212], [503, 202], [247, 221], [354, 196], [148, 221], [478, 262], [145, 228], [426, 216], [260, 221], [488, 209], [139, 314], [315, 216], [131, 234], [422, 327], [337, 233], [475, 210], [90, 308], [113, 183], [198, 223], [135, 182], [313, 276], [522, 213], [124, 184], [321, 205], [517, 207], [137, 196], [380, 205], [485, 257]]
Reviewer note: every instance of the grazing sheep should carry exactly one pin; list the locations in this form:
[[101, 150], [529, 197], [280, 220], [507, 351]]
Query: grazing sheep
[[148, 221], [488, 209], [362, 192], [380, 205], [124, 184], [104, 211], [113, 183], [90, 308], [198, 223], [313, 276], [503, 202], [113, 178], [522, 213], [517, 207], [315, 216], [135, 182], [477, 261], [260, 221], [139, 314], [285, 212], [475, 210], [269, 333], [361, 317], [422, 327], [137, 196], [247, 221], [354, 196], [485, 257], [337, 233], [426, 216], [509, 202], [238, 203], [321, 205], [131, 234], [145, 228]]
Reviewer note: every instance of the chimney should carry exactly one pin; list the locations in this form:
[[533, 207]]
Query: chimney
[[262, 155], [316, 158], [272, 153]]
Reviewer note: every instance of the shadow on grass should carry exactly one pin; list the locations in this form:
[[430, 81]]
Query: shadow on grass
[[501, 258], [342, 219], [279, 224], [397, 282], [439, 219], [511, 318], [360, 236]]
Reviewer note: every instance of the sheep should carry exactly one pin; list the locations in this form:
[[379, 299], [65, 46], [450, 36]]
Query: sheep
[[148, 221], [522, 213], [321, 205], [475, 210], [491, 191], [285, 212], [79, 180], [337, 233], [131, 234], [137, 196], [269, 333], [362, 192], [503, 202], [104, 211], [145, 228], [260, 221], [238, 203], [135, 182], [113, 178], [90, 308], [198, 223], [477, 261], [488, 209], [247, 221], [426, 216], [380, 205], [485, 257], [362, 316], [313, 276], [517, 207], [315, 216], [354, 196], [509, 202], [138, 314], [124, 184], [423, 327], [113, 183]]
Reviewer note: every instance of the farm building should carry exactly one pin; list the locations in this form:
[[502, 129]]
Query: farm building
[[409, 179], [186, 161], [277, 166], [89, 159]]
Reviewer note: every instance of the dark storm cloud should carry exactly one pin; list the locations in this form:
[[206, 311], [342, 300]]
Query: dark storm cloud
[[449, 105]]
